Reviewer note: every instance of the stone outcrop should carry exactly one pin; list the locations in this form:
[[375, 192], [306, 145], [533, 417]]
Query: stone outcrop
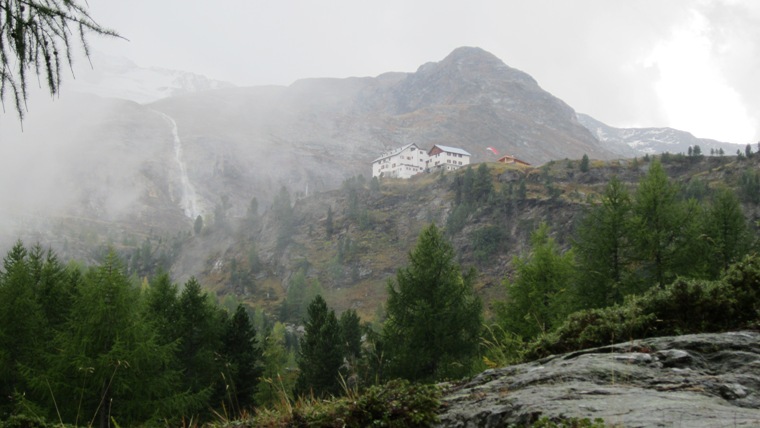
[[701, 380]]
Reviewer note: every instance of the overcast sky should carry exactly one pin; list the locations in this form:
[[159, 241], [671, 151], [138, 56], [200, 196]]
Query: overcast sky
[[688, 64]]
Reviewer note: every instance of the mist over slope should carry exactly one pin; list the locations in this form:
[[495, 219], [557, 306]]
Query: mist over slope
[[134, 170]]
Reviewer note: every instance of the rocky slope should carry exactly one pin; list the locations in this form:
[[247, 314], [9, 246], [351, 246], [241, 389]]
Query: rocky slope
[[156, 166], [701, 380], [313, 134]]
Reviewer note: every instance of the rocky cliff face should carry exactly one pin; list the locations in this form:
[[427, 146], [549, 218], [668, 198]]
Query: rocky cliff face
[[701, 380]]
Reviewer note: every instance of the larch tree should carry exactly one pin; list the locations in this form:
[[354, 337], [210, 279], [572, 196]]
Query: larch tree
[[659, 221], [725, 228], [539, 294], [434, 317], [109, 362], [277, 373], [602, 248], [21, 326], [37, 37]]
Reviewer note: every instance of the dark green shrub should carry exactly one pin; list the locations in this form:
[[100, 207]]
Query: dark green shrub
[[682, 307], [396, 404]]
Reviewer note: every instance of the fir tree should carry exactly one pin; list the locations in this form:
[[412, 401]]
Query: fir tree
[[434, 318]]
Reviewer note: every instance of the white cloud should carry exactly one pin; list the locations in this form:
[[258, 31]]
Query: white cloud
[[693, 92]]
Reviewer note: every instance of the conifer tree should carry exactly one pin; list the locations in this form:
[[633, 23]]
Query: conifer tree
[[584, 163], [602, 247], [277, 373], [725, 228], [483, 184], [109, 362], [350, 334], [539, 294], [162, 307], [37, 36], [321, 353], [200, 326], [242, 360], [659, 227], [21, 325], [434, 318]]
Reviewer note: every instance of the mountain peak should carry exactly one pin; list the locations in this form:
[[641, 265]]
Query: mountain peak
[[471, 54], [469, 64]]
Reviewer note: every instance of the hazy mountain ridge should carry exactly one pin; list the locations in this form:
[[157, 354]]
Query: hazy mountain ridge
[[118, 77], [115, 162], [641, 141], [317, 132]]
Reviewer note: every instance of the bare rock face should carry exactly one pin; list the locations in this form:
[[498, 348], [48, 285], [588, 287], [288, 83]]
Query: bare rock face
[[701, 380]]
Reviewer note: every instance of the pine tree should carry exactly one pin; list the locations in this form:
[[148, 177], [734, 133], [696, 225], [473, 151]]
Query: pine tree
[[434, 318], [539, 294], [321, 353]]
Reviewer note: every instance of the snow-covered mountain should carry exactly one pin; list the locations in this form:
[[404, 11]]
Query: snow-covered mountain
[[641, 141], [118, 77]]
